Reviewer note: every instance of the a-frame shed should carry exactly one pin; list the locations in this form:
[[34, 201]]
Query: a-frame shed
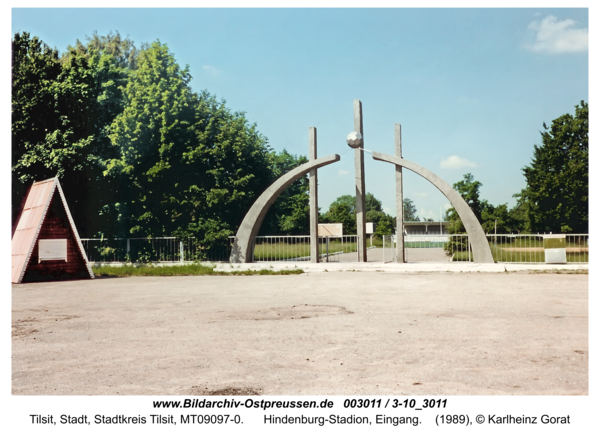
[[45, 244]]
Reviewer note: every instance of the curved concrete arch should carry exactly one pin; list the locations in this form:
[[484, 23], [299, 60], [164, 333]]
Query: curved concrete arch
[[243, 246], [479, 243]]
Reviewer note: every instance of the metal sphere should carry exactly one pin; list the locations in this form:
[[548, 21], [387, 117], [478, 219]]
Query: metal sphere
[[354, 140]]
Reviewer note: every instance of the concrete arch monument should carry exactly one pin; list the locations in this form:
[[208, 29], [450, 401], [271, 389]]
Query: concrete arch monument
[[479, 244], [243, 245]]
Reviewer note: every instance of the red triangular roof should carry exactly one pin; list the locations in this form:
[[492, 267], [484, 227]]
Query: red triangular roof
[[30, 223]]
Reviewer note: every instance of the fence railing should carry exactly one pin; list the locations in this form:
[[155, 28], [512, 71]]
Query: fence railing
[[506, 248], [297, 248], [429, 248], [529, 248], [388, 249], [155, 249]]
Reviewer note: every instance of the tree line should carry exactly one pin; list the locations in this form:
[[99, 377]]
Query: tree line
[[138, 152], [556, 196], [343, 210]]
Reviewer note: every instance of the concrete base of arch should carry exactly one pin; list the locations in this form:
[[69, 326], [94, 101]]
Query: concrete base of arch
[[479, 244]]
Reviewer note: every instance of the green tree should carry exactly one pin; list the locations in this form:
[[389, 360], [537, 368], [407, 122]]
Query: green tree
[[223, 171], [151, 134], [60, 113], [138, 152], [384, 223], [342, 210], [290, 213], [123, 51], [188, 165], [35, 68], [558, 177], [94, 80], [410, 211], [519, 214], [500, 220], [492, 218], [372, 203], [468, 188]]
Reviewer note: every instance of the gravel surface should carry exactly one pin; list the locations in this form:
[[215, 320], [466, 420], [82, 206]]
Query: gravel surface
[[341, 333]]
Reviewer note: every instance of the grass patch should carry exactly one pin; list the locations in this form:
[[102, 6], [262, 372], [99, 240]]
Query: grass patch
[[186, 270], [507, 253], [423, 245], [289, 251]]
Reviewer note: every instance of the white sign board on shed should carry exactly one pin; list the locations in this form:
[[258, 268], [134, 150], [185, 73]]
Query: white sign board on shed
[[330, 230], [52, 249], [370, 227]]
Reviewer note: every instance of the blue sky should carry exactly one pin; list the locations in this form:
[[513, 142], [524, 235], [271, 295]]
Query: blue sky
[[471, 87]]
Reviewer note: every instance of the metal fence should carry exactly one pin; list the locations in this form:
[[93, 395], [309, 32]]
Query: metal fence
[[429, 248], [297, 248], [388, 249], [529, 248], [154, 250], [506, 248], [456, 247]]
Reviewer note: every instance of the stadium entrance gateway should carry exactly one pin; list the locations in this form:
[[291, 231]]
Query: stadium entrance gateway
[[243, 245]]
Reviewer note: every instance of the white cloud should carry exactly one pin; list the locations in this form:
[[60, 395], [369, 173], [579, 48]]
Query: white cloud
[[342, 172], [455, 162], [555, 37], [447, 206], [211, 69]]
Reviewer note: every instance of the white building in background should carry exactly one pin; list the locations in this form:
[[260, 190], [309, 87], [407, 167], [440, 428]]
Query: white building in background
[[425, 231], [425, 228]]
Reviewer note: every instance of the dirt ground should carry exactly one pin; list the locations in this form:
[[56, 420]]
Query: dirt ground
[[342, 333]]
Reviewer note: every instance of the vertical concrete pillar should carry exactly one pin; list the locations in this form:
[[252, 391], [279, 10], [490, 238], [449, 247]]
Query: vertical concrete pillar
[[314, 201], [399, 198], [359, 168]]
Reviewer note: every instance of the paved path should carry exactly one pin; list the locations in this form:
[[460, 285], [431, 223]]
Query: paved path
[[379, 255], [342, 333]]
